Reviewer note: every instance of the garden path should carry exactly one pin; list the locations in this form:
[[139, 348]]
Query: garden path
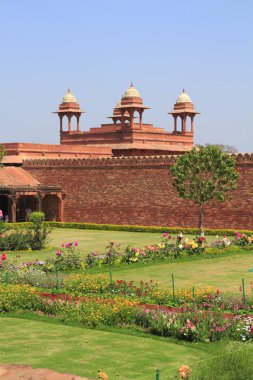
[[16, 372]]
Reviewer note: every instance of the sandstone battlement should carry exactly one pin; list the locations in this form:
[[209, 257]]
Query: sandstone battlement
[[240, 158]]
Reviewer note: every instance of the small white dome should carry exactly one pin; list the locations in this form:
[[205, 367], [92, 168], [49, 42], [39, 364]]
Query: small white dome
[[69, 98], [184, 98], [131, 92]]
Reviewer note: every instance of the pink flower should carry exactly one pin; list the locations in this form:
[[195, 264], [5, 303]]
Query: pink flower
[[58, 252], [63, 245], [3, 257], [76, 243], [165, 234]]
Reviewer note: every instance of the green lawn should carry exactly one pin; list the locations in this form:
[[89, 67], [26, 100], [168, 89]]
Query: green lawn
[[89, 241], [53, 345], [224, 272]]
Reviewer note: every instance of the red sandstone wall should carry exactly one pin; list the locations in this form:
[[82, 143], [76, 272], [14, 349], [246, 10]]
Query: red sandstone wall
[[139, 191]]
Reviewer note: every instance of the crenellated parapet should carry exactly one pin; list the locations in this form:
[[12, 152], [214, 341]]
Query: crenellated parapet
[[240, 158]]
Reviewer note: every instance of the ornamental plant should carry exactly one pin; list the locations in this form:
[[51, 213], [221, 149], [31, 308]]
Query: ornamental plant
[[15, 297], [67, 258], [197, 325], [242, 240], [38, 231]]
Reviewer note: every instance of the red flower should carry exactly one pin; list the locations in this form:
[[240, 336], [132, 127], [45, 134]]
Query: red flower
[[3, 257]]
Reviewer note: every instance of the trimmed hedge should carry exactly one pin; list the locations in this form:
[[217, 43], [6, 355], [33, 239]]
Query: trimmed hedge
[[130, 228], [150, 229]]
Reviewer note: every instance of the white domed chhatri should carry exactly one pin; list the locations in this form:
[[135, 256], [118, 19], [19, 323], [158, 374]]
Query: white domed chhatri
[[69, 98], [184, 98], [131, 92]]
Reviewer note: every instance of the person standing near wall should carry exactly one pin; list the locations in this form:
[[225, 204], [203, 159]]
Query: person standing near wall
[[27, 213]]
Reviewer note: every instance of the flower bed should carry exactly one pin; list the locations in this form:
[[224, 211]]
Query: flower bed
[[188, 323]]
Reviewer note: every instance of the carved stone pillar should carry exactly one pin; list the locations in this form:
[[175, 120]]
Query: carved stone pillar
[[77, 123], [61, 117], [131, 118], [69, 123], [192, 124], [140, 113], [175, 123]]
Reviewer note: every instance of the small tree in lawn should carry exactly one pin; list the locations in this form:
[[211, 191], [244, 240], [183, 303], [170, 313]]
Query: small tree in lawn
[[203, 175]]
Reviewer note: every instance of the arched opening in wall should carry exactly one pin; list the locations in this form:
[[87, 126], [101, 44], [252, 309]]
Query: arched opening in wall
[[4, 207], [25, 205], [50, 207], [188, 124], [65, 123], [136, 117]]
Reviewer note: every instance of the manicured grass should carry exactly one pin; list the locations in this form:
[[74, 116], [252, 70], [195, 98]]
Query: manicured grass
[[49, 344], [224, 272]]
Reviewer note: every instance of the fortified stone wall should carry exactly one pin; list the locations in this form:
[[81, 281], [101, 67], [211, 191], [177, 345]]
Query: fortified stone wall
[[138, 190]]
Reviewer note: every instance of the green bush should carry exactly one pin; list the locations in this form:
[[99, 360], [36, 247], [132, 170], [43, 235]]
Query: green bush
[[15, 241], [38, 231]]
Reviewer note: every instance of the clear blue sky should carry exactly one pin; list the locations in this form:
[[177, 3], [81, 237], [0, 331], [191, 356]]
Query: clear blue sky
[[96, 48]]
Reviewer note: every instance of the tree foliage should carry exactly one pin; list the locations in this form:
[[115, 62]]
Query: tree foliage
[[204, 174], [2, 154], [223, 148]]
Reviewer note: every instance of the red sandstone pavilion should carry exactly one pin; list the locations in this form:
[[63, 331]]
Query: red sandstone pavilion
[[116, 173]]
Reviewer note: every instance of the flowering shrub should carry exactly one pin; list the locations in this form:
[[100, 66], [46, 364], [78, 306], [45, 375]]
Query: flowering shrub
[[66, 258], [221, 243], [111, 256], [14, 297], [198, 325], [242, 240]]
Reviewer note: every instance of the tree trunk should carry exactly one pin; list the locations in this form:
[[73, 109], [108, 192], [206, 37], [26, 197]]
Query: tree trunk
[[201, 217]]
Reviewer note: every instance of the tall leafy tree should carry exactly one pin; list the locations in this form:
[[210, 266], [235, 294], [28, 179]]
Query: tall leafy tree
[[204, 174]]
